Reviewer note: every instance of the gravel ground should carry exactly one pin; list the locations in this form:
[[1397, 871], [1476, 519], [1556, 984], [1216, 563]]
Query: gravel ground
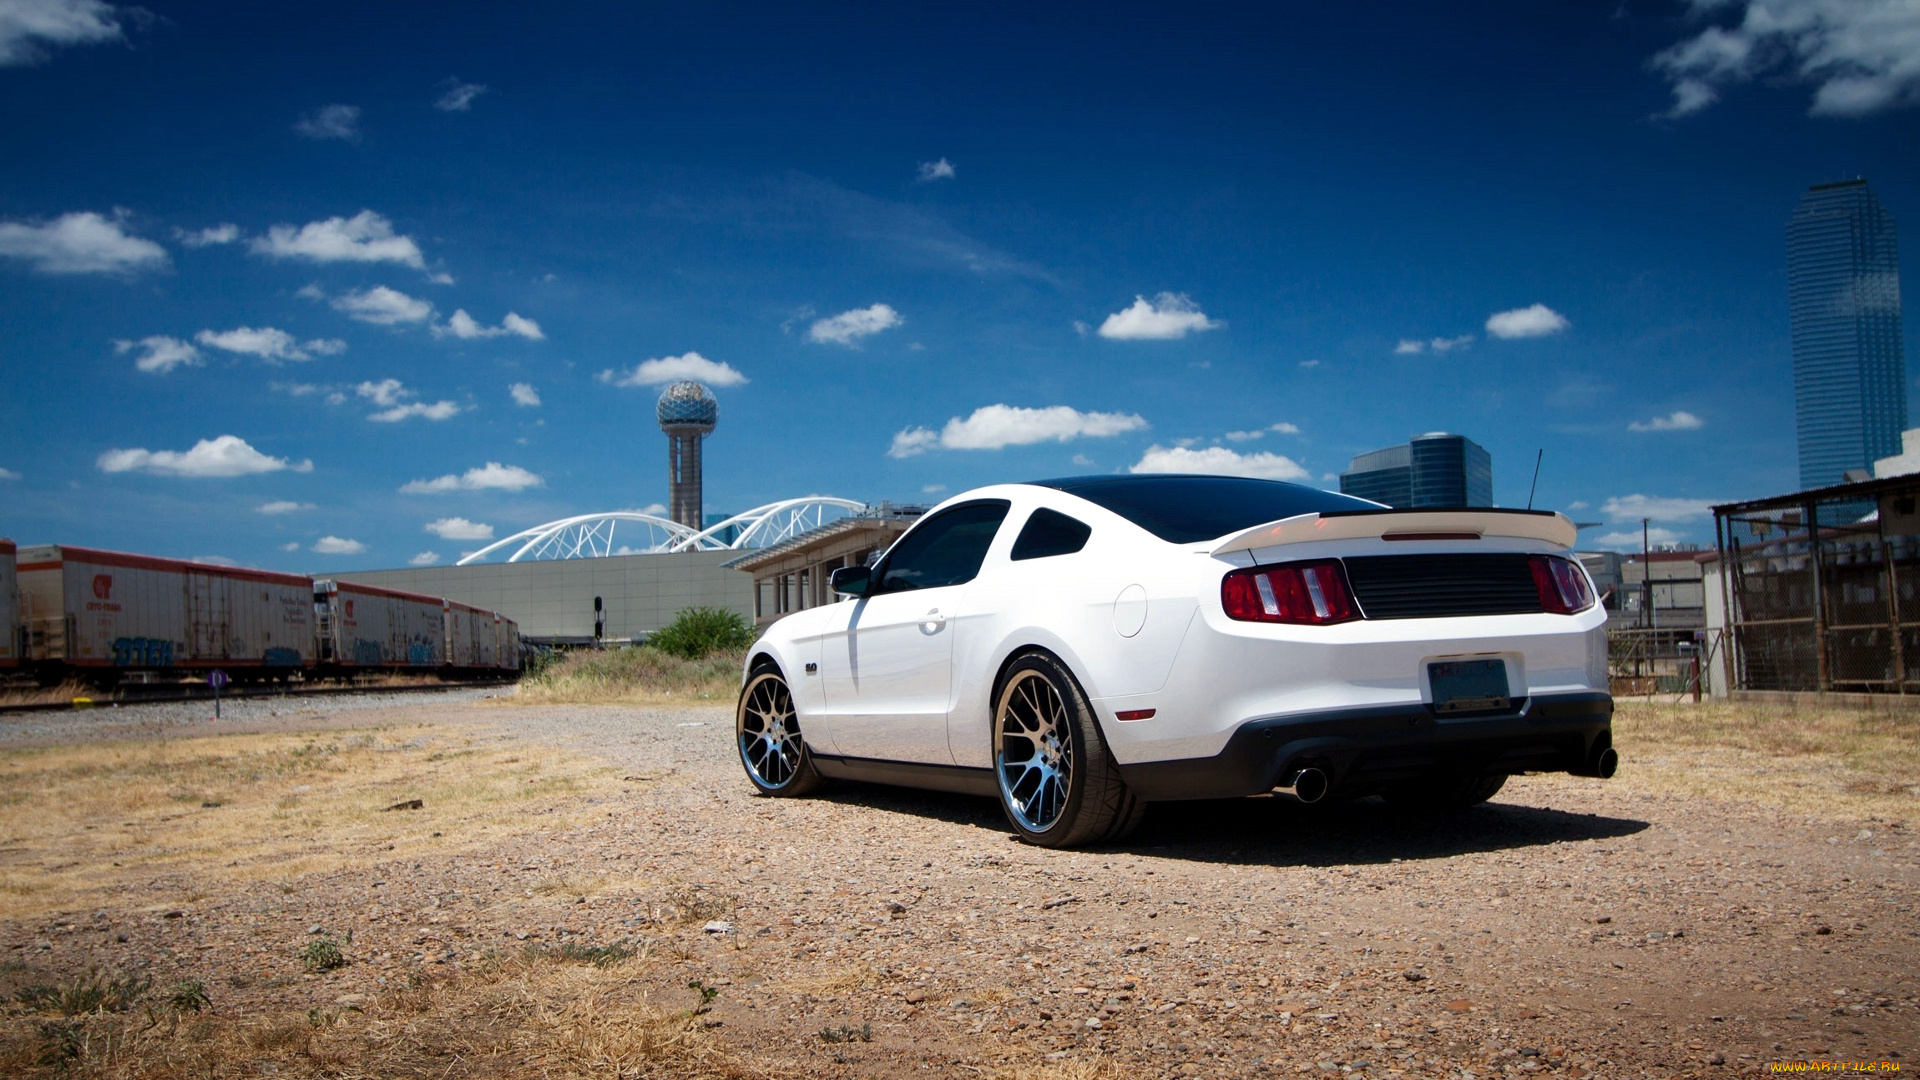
[[1573, 927]]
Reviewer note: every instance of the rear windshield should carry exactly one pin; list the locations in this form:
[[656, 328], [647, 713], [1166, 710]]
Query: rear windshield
[[1188, 509]]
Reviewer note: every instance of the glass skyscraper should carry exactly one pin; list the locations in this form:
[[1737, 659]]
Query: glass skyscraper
[[1432, 470], [1849, 359]]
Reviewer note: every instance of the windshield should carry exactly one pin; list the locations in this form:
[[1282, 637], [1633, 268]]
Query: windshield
[[1188, 509]]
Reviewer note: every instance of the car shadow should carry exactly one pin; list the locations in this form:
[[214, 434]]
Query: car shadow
[[1274, 831]]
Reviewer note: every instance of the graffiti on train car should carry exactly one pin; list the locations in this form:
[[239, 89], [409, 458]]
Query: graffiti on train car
[[281, 658], [420, 653], [142, 652], [368, 652]]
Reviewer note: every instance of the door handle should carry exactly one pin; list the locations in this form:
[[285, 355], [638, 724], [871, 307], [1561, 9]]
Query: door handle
[[932, 621]]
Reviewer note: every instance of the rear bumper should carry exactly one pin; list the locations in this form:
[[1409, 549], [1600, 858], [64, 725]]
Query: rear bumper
[[1366, 749]]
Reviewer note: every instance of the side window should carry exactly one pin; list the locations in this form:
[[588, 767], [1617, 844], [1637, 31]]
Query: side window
[[1049, 532], [946, 549]]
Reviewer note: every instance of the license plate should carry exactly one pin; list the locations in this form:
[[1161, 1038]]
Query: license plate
[[1470, 686]]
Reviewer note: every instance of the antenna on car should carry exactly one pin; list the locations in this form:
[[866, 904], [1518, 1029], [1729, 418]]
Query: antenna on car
[[1536, 476]]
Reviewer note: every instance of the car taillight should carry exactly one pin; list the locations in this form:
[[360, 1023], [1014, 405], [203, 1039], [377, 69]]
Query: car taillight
[[1563, 587], [1314, 593]]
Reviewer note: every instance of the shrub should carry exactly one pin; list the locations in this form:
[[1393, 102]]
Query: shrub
[[699, 632], [323, 954]]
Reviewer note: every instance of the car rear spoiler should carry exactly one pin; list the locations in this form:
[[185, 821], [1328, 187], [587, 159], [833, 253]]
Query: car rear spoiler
[[1386, 524]]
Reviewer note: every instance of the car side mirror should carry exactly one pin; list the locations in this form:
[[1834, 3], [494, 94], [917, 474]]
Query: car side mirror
[[852, 580]]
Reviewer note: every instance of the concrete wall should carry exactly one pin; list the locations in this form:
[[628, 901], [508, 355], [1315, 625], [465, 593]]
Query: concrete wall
[[555, 599]]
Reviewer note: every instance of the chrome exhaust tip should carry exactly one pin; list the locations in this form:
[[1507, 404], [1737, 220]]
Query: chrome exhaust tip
[[1306, 786]]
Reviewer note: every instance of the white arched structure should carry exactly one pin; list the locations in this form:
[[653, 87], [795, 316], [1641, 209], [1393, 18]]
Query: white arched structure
[[765, 526], [592, 536]]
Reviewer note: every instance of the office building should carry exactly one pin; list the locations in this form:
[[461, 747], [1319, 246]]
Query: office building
[[1435, 469], [1849, 359]]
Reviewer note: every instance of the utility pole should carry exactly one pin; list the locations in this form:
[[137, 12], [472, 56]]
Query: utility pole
[[1646, 574]]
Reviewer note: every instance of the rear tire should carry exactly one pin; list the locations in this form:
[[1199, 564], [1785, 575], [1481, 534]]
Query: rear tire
[[1457, 793], [767, 733], [1059, 785]]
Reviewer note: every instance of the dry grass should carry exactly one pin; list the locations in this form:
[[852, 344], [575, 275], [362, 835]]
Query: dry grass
[[1828, 761], [50, 695], [81, 825], [530, 1015], [632, 676]]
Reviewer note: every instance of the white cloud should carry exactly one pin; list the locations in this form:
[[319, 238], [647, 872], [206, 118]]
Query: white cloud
[[994, 427], [457, 96], [440, 277], [282, 506], [1625, 540], [1863, 56], [291, 545], [365, 237], [666, 369], [1408, 346], [1245, 436], [9, 474], [82, 242], [425, 558], [1537, 320], [335, 545], [159, 354], [269, 344], [212, 236], [1164, 318], [1625, 508], [383, 306], [29, 27], [1218, 460], [436, 410], [228, 455], [1284, 428], [936, 170], [385, 392], [1678, 420], [524, 394], [465, 327], [850, 326], [1577, 504], [492, 476], [459, 528], [331, 122], [913, 441], [932, 489], [214, 560], [393, 397], [1309, 364], [1083, 461]]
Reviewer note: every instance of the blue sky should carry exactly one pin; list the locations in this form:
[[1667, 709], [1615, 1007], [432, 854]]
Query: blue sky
[[348, 286]]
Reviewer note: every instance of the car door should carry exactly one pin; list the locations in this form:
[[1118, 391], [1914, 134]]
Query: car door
[[886, 662]]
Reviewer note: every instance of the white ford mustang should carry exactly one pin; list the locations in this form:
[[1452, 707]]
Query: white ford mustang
[[1081, 647]]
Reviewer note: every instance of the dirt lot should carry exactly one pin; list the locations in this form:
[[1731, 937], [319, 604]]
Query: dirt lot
[[593, 891]]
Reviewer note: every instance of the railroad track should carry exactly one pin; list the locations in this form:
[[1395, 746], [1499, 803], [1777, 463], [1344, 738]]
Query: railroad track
[[138, 695]]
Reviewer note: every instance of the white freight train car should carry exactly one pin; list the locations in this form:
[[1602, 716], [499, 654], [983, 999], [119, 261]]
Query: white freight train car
[[363, 626], [507, 646], [9, 609], [89, 608], [472, 639]]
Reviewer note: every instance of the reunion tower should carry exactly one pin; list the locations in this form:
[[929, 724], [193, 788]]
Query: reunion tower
[[687, 413]]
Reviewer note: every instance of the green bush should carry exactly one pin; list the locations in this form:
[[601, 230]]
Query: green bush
[[699, 632], [634, 674]]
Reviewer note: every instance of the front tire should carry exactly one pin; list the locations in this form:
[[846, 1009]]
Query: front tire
[[1058, 783], [767, 732]]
